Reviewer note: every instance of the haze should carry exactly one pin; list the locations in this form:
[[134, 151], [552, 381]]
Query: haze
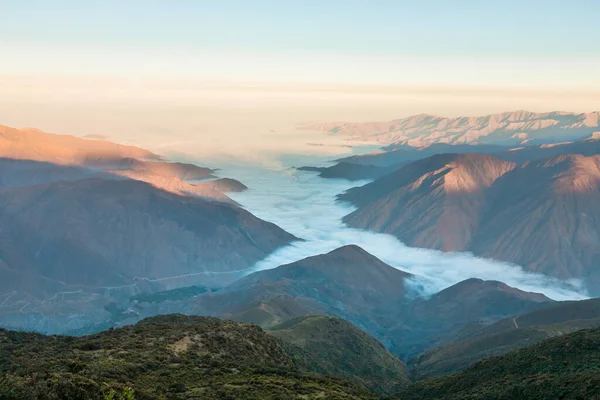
[[234, 78]]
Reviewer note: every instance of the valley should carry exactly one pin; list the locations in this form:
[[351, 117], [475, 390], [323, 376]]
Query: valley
[[313, 260]]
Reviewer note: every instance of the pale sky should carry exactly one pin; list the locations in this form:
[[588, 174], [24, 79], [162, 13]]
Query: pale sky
[[248, 65]]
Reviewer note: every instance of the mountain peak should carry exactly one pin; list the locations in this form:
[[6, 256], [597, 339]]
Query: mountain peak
[[348, 251], [478, 286]]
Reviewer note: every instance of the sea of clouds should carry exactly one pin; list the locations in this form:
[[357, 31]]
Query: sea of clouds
[[304, 204]]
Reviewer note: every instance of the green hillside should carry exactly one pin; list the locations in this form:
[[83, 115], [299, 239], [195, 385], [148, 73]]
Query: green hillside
[[565, 367], [168, 357], [506, 335], [329, 345]]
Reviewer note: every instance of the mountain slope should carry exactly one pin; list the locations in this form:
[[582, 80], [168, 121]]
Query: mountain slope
[[351, 284], [164, 357], [103, 232], [30, 156], [430, 322], [541, 215], [544, 216], [433, 203], [332, 346], [35, 145], [503, 336], [347, 281], [565, 367]]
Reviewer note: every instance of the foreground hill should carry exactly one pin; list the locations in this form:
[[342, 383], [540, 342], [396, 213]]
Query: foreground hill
[[514, 128], [164, 357], [478, 342], [565, 367], [540, 215], [332, 346]]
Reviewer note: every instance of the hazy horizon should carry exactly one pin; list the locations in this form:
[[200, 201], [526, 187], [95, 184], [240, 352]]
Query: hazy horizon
[[183, 77]]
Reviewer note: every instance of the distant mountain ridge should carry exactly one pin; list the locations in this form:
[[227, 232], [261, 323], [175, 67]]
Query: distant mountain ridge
[[513, 128], [39, 157]]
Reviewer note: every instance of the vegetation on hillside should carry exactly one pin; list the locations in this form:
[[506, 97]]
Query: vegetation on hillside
[[565, 367], [330, 345], [167, 357], [507, 335]]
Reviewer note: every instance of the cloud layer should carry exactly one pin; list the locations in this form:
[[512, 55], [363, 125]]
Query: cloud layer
[[304, 205]]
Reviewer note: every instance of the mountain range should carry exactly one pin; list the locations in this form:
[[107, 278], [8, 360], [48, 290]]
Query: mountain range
[[99, 241], [87, 220], [509, 128], [540, 215]]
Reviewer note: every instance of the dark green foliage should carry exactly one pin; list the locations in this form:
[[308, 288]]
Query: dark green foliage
[[506, 335], [565, 367], [330, 345], [168, 357]]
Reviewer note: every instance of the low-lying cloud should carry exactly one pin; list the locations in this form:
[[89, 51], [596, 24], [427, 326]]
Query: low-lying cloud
[[304, 205]]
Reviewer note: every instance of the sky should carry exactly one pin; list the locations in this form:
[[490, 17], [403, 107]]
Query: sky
[[351, 41], [88, 66]]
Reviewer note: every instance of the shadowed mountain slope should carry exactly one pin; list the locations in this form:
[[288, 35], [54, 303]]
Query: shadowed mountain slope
[[565, 367], [99, 232], [476, 343]]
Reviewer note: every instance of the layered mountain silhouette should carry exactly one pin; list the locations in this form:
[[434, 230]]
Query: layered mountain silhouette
[[393, 157], [540, 214], [351, 284]]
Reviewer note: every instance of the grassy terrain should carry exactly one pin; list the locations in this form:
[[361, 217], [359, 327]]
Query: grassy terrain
[[565, 367], [168, 357], [329, 345], [507, 335]]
